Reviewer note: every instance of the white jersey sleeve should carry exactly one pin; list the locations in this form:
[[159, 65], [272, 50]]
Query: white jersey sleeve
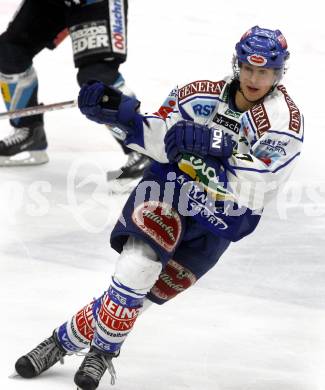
[[269, 144], [155, 127]]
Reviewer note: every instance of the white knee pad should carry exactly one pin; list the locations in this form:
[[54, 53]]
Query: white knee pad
[[138, 266]]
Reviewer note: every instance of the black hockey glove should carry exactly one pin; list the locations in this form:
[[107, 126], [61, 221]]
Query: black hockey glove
[[107, 105]]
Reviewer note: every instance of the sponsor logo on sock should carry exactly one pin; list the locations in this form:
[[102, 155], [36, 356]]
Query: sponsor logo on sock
[[116, 317], [85, 322]]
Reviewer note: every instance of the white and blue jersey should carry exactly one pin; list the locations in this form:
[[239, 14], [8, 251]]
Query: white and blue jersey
[[224, 198], [267, 138]]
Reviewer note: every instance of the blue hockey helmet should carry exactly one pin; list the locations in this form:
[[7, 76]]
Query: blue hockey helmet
[[262, 47]]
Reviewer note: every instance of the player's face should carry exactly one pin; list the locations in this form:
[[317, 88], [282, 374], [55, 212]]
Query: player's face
[[255, 82]]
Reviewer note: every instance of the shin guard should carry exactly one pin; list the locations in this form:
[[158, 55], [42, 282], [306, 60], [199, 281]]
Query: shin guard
[[20, 91]]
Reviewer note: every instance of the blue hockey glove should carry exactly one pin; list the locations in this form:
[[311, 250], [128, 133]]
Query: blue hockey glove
[[107, 105], [194, 138]]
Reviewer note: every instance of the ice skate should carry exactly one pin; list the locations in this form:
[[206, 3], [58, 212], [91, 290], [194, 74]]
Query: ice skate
[[41, 358], [26, 146], [125, 179], [93, 368]]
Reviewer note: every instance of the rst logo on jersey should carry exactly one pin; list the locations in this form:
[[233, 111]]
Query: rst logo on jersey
[[228, 123], [204, 108], [89, 38], [118, 26], [201, 86]]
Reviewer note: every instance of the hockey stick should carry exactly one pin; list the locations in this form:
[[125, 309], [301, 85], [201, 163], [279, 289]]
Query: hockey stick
[[28, 111], [41, 109]]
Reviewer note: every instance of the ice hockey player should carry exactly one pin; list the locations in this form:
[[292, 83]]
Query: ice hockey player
[[220, 150], [98, 31]]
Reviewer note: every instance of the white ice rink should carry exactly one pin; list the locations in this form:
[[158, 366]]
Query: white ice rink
[[257, 320]]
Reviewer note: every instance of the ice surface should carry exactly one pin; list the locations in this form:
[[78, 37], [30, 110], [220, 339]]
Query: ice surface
[[257, 320]]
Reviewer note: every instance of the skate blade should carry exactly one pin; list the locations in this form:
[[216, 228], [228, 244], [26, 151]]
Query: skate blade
[[24, 159], [14, 375], [122, 186]]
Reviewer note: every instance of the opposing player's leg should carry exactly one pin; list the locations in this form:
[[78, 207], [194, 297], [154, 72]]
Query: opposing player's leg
[[27, 34], [99, 39], [125, 178], [27, 144]]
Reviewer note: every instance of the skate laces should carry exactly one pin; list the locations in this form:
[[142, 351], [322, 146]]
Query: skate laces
[[95, 364], [46, 354], [18, 135]]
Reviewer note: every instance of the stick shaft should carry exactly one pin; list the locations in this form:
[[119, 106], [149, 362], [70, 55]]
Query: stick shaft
[[29, 111]]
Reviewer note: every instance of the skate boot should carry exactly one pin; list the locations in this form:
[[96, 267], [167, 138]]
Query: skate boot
[[129, 175], [44, 356], [26, 146], [93, 368]]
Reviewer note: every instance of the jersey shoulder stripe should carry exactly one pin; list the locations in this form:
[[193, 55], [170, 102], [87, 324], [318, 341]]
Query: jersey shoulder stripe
[[295, 116], [277, 113], [206, 87]]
